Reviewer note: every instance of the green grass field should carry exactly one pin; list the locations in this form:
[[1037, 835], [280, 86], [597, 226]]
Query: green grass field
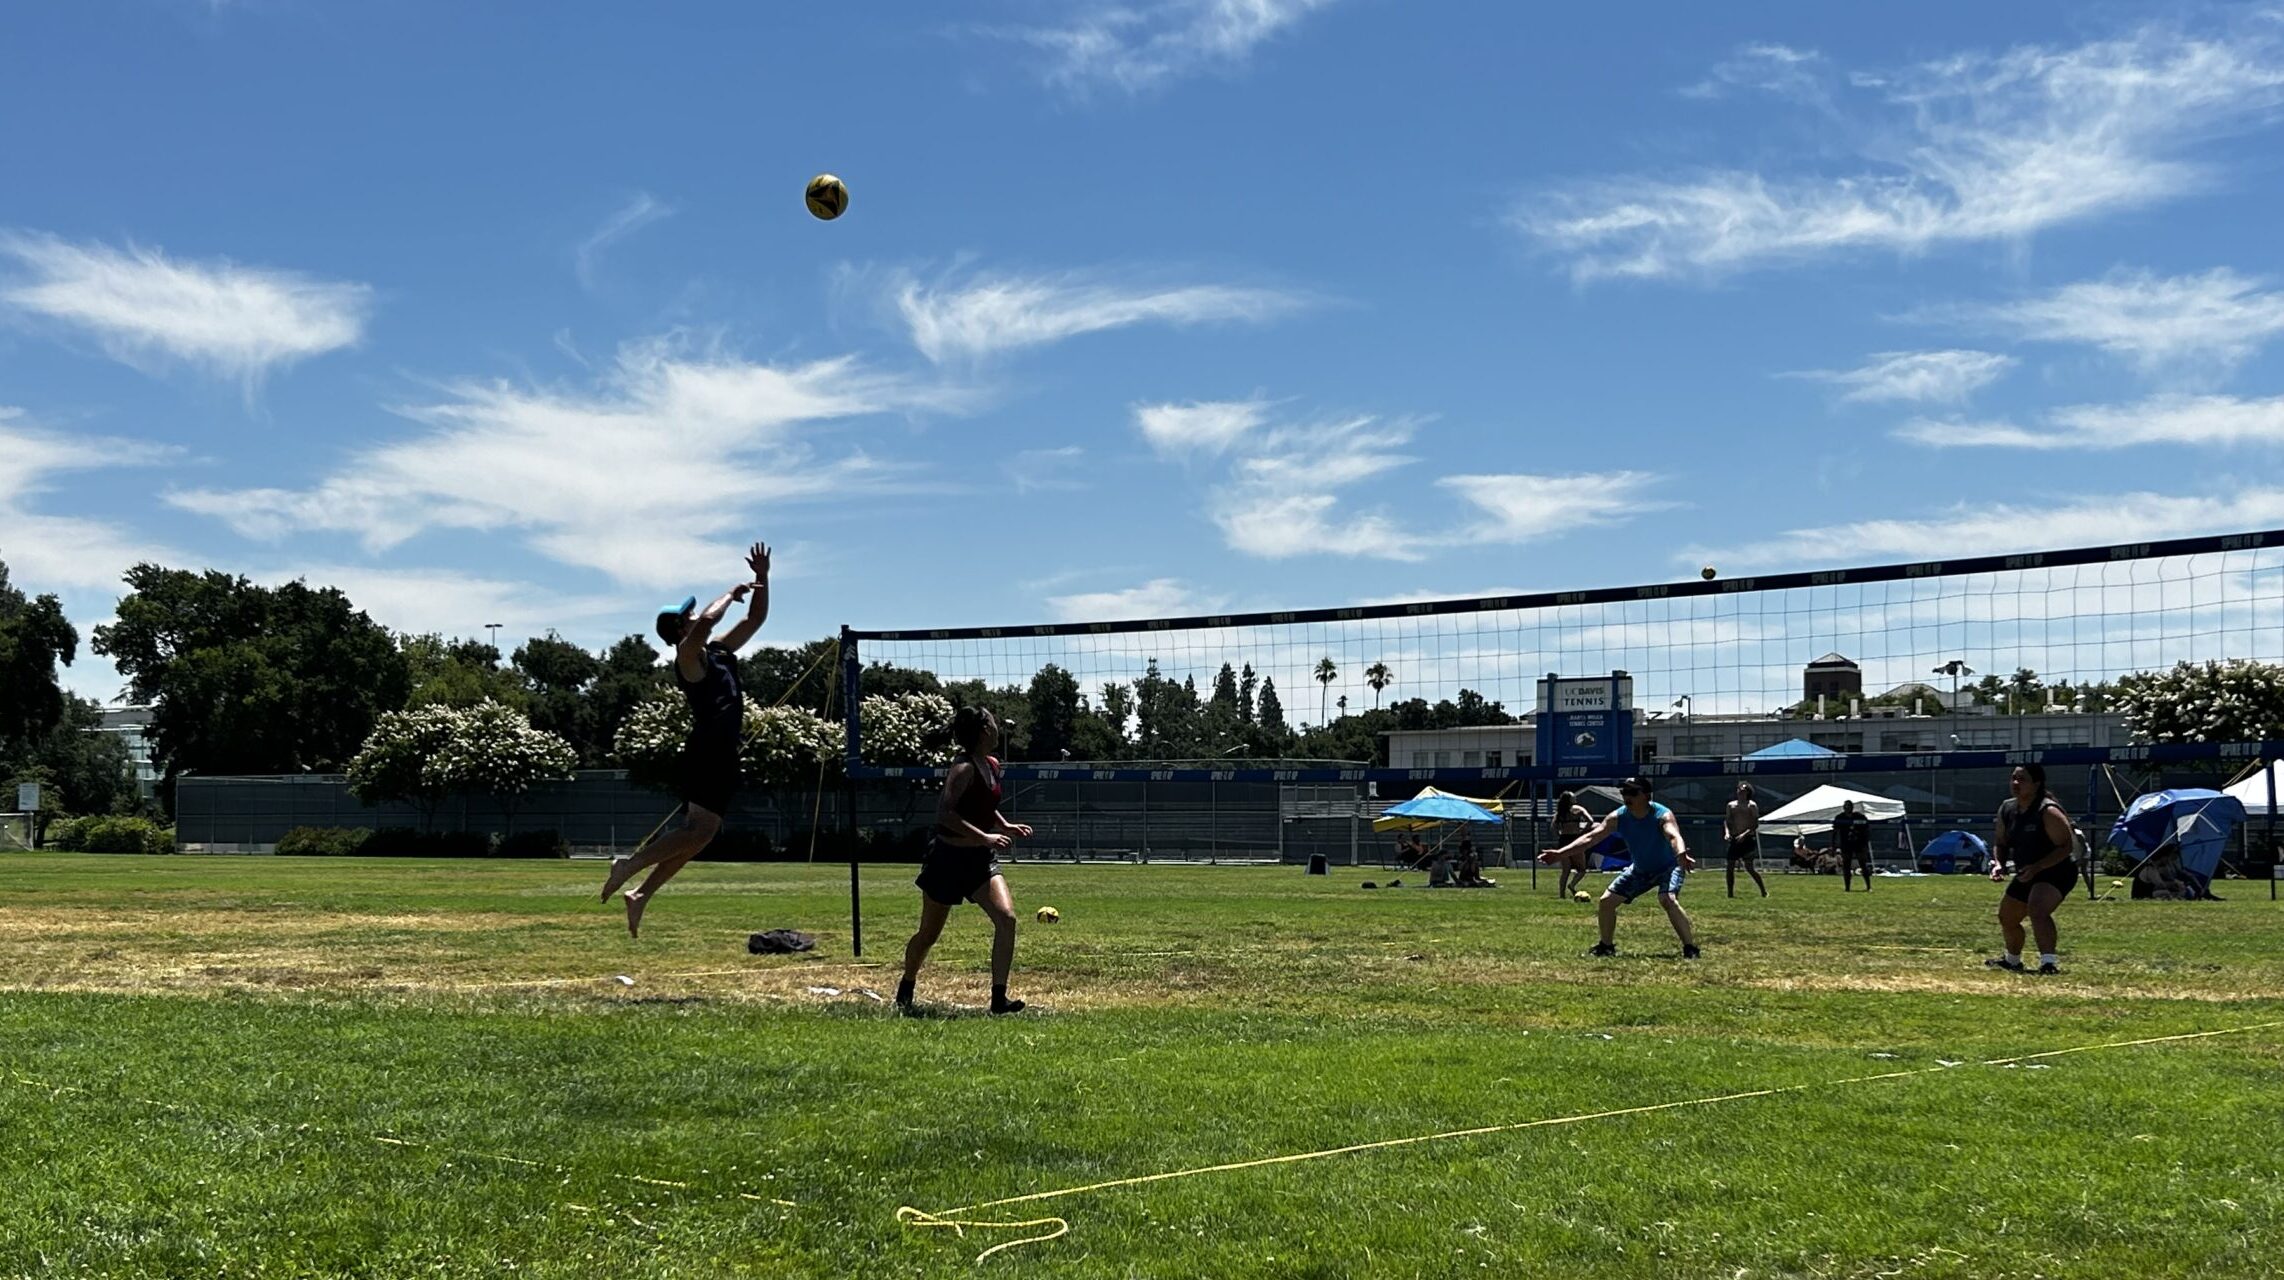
[[263, 1067]]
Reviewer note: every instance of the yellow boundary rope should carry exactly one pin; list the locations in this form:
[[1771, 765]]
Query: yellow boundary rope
[[948, 1218]]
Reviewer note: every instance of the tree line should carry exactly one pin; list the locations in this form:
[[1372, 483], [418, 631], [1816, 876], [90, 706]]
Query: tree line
[[243, 678]]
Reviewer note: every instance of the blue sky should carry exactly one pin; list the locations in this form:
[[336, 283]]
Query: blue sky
[[513, 314]]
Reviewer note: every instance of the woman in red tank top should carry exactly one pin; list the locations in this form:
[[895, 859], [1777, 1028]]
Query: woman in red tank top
[[962, 862]]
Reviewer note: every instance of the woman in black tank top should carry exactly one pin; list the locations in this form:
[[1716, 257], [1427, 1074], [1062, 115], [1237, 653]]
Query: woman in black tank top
[[962, 862], [2034, 835]]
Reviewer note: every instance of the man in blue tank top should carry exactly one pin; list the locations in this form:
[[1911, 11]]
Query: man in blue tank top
[[1661, 862], [706, 671]]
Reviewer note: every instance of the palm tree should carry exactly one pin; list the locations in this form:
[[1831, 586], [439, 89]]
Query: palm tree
[[1326, 673], [1379, 677]]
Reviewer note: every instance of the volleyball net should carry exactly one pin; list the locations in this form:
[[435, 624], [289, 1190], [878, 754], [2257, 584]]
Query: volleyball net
[[1704, 671]]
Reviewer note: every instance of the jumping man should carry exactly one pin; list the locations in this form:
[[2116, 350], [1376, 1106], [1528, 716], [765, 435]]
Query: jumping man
[[706, 671], [1743, 827], [1661, 862]]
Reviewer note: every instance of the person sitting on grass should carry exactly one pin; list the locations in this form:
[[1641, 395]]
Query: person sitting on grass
[[1661, 861], [962, 862], [706, 671], [1470, 868]]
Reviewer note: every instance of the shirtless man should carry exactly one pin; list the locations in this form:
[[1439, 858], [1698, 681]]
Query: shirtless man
[[1742, 824]]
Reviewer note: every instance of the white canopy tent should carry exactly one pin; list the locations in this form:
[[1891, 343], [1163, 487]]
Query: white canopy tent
[[1812, 814], [2252, 789]]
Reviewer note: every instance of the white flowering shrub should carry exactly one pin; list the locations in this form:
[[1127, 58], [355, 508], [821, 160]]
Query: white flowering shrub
[[2238, 700], [790, 745], [649, 741], [396, 761], [905, 728], [494, 748]]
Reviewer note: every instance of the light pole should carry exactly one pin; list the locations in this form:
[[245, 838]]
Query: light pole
[[494, 628]]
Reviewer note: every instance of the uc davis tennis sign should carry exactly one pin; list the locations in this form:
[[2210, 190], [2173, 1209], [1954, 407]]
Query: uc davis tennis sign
[[1587, 721]]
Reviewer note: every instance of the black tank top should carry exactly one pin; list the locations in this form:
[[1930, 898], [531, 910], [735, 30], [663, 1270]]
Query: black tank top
[[980, 800], [2026, 838], [717, 707]]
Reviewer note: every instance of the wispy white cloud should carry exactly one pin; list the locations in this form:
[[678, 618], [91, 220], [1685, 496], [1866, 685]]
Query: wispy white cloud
[[1134, 47], [148, 309], [1766, 68], [46, 552], [1526, 508], [2172, 420], [629, 218], [1036, 470], [1281, 493], [1976, 147], [1157, 598], [657, 468], [985, 315], [1200, 427], [1988, 530], [1922, 376], [454, 602], [2209, 322]]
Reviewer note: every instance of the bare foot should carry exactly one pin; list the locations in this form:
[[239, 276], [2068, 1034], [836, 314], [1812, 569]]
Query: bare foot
[[635, 903], [622, 870]]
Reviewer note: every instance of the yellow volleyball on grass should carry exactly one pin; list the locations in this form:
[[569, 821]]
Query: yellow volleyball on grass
[[1048, 915], [828, 196], [1580, 896]]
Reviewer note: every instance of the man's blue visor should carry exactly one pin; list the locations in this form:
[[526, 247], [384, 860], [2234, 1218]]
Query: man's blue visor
[[688, 604]]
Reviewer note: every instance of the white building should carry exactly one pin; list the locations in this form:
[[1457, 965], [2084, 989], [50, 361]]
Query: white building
[[1881, 730], [132, 724]]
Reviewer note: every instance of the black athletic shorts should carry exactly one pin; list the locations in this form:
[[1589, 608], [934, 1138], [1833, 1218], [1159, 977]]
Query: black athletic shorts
[[2062, 875], [710, 774], [1744, 847], [952, 874]]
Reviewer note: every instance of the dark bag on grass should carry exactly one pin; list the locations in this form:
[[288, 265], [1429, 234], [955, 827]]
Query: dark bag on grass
[[780, 942]]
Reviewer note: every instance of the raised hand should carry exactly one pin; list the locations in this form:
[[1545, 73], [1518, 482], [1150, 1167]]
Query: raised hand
[[758, 561]]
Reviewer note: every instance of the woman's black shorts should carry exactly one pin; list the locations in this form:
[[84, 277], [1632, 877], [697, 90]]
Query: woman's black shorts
[[952, 874], [2062, 875]]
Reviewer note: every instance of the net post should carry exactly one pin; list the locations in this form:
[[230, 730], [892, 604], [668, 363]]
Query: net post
[[2093, 817], [851, 699], [2269, 769]]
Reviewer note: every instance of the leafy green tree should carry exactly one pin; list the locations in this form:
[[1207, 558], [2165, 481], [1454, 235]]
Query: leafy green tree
[[1225, 692], [1167, 715], [630, 674], [81, 769], [2239, 700], [1055, 711], [1272, 714], [35, 638], [248, 679], [1248, 686], [459, 673], [1010, 706], [557, 673]]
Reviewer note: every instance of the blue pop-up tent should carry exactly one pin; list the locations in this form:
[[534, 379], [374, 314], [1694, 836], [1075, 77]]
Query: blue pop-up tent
[[2193, 820], [1948, 850], [1791, 749]]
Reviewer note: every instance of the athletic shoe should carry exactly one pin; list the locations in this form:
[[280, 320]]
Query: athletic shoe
[[1689, 951], [1604, 949], [2049, 968], [2001, 962], [1006, 1006]]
